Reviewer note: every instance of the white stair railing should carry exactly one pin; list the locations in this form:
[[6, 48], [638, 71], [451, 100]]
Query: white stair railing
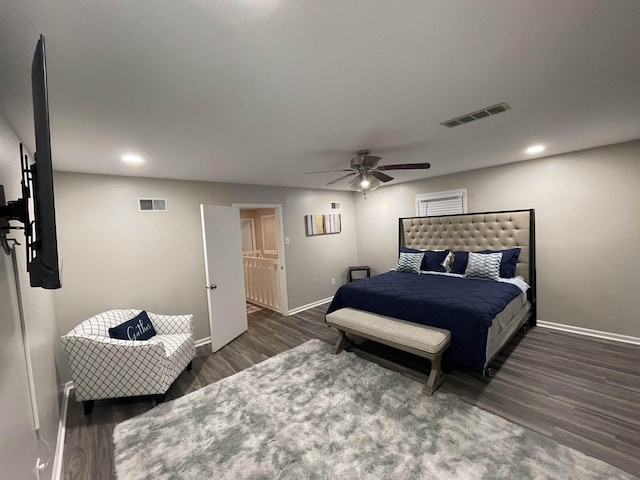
[[261, 282]]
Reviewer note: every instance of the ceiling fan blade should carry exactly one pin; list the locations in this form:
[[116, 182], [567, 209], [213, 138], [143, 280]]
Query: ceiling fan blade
[[341, 178], [330, 171], [383, 177], [405, 166]]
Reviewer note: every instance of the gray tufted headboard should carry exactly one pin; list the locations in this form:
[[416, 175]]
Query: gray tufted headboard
[[477, 231]]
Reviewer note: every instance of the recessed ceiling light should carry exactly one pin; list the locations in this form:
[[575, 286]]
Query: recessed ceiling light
[[131, 158], [535, 149]]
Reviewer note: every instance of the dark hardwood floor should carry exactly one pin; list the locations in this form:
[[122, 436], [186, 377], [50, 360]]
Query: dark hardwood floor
[[583, 392]]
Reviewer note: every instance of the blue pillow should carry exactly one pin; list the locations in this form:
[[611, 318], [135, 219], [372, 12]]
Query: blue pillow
[[460, 260], [432, 260], [138, 328], [509, 261], [507, 265]]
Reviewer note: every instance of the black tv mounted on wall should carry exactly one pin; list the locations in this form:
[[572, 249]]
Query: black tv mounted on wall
[[37, 190]]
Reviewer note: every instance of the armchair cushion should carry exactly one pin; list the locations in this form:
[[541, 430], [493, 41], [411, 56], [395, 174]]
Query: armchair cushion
[[104, 367], [138, 328]]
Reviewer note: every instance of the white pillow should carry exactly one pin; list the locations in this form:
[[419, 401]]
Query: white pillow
[[447, 261], [409, 262], [484, 265]]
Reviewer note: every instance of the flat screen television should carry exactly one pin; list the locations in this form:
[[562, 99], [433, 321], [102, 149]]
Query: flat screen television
[[37, 189]]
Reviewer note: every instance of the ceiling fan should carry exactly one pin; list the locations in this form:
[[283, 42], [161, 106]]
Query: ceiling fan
[[368, 174]]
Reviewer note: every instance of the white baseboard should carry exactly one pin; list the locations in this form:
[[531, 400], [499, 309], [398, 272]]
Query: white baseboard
[[203, 341], [616, 337], [310, 305], [56, 474]]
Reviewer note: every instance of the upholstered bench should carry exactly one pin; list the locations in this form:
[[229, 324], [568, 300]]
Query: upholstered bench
[[427, 342]]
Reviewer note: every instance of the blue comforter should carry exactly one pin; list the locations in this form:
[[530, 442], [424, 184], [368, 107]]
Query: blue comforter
[[464, 306]]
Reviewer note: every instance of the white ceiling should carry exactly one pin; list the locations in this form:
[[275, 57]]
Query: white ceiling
[[261, 91]]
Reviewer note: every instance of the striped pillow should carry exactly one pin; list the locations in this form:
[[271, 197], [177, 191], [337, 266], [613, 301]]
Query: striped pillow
[[409, 262], [484, 265]]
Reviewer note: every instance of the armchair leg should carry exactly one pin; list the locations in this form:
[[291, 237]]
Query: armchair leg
[[190, 366], [87, 405]]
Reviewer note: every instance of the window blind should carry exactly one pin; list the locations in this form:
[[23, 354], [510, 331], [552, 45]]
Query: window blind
[[440, 206]]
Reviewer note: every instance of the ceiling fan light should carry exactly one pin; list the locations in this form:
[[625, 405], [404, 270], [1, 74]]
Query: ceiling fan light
[[364, 182], [356, 184], [373, 182]]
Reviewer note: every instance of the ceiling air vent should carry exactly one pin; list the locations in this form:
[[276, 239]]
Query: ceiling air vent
[[152, 204], [477, 115]]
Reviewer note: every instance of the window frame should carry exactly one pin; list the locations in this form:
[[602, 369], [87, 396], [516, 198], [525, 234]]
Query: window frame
[[264, 218], [460, 192]]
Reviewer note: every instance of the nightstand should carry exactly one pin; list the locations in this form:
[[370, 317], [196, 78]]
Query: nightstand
[[358, 268]]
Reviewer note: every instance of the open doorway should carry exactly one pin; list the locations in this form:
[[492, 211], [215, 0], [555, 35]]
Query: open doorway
[[263, 257]]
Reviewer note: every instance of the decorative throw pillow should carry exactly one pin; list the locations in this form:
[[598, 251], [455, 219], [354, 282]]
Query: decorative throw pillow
[[433, 260], [138, 328], [484, 265], [409, 262], [507, 266]]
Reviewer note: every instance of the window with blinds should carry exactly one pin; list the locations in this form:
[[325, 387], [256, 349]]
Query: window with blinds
[[441, 203]]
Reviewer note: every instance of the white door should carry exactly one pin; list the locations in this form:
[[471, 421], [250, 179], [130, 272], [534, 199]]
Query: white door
[[224, 273]]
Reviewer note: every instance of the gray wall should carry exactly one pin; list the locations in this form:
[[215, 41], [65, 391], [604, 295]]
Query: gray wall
[[115, 256], [18, 441], [587, 229]]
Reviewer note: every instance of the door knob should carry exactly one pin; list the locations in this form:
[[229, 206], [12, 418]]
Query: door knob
[[213, 286]]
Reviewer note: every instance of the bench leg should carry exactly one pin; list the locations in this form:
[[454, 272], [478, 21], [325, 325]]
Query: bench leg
[[436, 376], [341, 343], [87, 406]]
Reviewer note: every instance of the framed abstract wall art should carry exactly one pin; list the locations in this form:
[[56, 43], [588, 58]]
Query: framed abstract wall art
[[323, 224]]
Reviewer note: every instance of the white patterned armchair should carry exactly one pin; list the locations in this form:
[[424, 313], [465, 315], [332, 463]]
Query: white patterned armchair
[[103, 367]]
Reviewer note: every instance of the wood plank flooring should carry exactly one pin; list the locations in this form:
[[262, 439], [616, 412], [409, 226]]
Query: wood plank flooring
[[582, 392]]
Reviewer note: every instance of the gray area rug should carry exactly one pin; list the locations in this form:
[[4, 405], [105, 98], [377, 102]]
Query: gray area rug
[[309, 414]]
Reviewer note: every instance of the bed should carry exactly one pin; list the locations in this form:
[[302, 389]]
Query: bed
[[482, 315]]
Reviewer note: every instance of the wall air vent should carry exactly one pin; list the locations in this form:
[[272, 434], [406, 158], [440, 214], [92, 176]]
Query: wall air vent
[[477, 115], [152, 204]]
